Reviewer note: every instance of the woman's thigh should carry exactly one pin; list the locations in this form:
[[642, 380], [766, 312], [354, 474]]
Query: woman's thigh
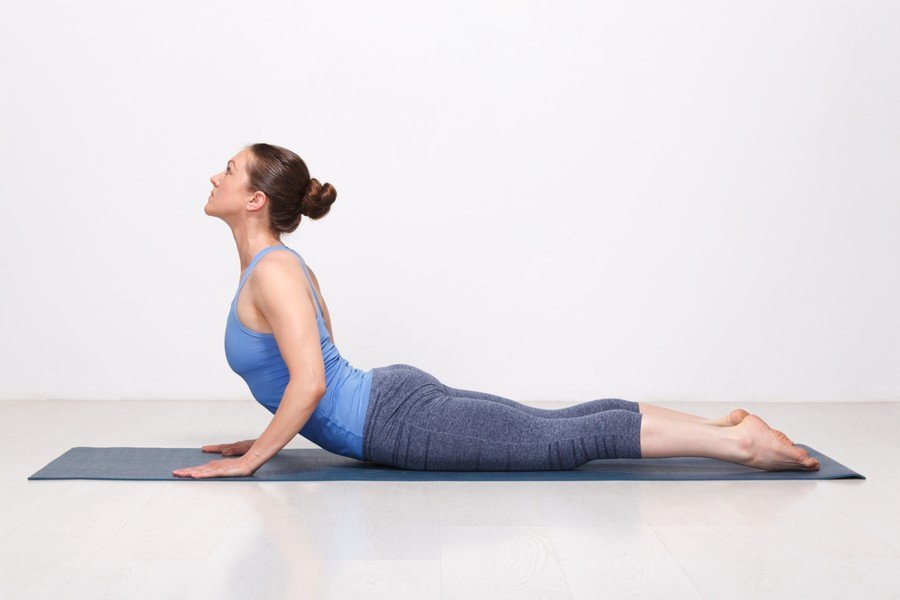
[[415, 423], [576, 410], [584, 408]]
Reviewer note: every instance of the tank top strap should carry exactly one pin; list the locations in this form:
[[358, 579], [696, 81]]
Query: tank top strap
[[253, 263], [312, 288]]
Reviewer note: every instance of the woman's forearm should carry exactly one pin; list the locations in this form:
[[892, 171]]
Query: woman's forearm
[[297, 405]]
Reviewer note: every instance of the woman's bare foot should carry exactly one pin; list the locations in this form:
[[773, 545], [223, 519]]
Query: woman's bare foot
[[770, 449], [731, 419]]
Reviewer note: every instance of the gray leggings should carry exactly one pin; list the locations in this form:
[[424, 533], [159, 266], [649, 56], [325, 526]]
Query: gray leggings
[[414, 421]]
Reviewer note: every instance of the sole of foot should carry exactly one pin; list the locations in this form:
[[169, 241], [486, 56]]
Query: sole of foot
[[770, 449]]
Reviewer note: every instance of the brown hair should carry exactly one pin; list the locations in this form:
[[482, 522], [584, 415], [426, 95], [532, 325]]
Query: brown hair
[[284, 178]]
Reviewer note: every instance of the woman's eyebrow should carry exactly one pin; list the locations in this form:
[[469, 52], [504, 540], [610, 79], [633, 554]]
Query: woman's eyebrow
[[231, 161]]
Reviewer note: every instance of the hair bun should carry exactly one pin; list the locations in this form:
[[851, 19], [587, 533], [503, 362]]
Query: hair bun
[[317, 199]]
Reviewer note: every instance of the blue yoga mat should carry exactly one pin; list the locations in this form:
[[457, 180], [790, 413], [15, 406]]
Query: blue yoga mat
[[315, 464]]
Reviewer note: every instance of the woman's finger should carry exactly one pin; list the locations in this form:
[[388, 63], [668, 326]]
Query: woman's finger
[[216, 468], [186, 471], [229, 449], [205, 471], [195, 471]]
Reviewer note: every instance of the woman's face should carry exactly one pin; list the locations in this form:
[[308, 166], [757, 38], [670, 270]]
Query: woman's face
[[229, 194]]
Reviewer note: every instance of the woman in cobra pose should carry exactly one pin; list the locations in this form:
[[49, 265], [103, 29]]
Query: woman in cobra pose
[[278, 338]]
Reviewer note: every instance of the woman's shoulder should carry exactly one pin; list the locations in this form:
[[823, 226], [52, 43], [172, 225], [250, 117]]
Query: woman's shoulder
[[276, 267]]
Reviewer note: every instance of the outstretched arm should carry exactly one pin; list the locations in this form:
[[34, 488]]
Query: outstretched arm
[[284, 303], [297, 406]]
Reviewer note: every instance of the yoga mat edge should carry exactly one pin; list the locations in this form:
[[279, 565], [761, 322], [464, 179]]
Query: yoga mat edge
[[315, 464]]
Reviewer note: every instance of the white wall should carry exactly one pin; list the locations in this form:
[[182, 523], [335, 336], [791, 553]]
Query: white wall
[[545, 200]]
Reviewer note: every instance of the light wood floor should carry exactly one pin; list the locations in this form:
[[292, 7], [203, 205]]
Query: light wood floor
[[681, 539]]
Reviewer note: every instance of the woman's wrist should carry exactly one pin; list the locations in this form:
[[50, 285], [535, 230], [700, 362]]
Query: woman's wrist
[[252, 460]]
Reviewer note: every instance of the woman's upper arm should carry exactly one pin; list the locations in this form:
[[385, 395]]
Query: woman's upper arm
[[281, 295]]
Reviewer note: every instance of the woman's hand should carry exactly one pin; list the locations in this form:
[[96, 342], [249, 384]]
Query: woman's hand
[[233, 449], [226, 467], [221, 468]]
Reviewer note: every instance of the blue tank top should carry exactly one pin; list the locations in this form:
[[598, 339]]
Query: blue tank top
[[337, 423]]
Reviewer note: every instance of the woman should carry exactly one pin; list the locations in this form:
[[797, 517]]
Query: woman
[[279, 339]]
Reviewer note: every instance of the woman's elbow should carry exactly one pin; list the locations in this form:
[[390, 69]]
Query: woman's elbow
[[310, 387]]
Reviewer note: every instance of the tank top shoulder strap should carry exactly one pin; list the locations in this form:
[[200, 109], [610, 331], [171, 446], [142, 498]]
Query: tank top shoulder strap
[[253, 263], [312, 288]]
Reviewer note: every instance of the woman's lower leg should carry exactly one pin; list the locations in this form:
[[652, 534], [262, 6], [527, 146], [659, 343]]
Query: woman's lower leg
[[751, 442], [732, 418], [665, 435], [669, 414]]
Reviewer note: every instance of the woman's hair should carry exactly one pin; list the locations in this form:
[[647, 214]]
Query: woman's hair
[[284, 178]]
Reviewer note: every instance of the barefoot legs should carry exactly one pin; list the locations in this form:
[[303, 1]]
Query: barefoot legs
[[732, 418], [750, 442]]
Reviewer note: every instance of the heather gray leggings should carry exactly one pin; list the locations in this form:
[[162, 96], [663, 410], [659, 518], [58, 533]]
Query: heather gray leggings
[[414, 421]]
